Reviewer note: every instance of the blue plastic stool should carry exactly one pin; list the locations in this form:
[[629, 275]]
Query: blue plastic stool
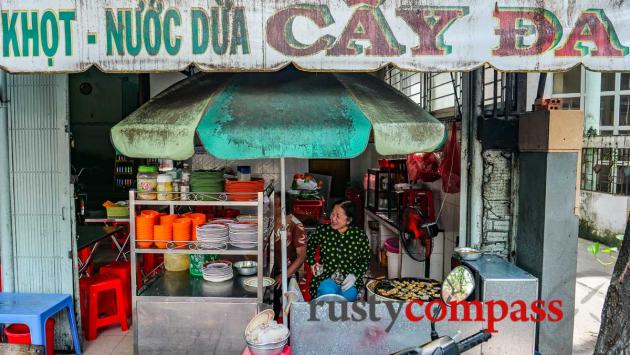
[[33, 309]]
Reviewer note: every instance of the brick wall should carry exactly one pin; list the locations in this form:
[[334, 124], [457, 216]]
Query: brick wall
[[497, 198]]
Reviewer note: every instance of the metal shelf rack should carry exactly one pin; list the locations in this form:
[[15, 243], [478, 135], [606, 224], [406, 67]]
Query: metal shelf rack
[[183, 303]]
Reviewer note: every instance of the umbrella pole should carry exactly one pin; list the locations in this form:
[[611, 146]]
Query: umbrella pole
[[283, 230]]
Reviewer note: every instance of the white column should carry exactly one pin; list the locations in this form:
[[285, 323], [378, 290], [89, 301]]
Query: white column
[[592, 101]]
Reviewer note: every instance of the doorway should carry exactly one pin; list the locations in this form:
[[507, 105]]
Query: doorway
[[339, 169]]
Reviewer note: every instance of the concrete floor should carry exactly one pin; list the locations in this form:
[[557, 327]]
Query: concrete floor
[[591, 285], [111, 340]]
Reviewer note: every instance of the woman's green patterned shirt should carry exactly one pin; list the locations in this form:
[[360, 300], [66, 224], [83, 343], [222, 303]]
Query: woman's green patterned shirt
[[349, 253]]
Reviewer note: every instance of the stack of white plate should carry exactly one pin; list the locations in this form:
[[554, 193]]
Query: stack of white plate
[[250, 218], [247, 218], [243, 235], [217, 271], [222, 220], [213, 236]]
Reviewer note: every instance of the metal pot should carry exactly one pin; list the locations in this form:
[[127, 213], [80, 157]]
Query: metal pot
[[268, 349], [246, 267], [468, 254]]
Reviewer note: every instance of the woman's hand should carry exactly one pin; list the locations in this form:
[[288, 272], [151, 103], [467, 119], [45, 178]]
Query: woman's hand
[[317, 269], [348, 282]]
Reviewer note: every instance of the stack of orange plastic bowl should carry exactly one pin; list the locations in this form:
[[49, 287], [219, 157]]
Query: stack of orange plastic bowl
[[168, 219], [182, 230], [235, 186], [144, 230], [153, 214], [163, 234], [197, 220]]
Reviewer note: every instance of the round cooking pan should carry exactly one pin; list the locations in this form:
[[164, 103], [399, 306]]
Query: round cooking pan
[[372, 285]]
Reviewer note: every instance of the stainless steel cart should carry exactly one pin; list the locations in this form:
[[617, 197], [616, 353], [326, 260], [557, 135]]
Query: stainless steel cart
[[175, 312]]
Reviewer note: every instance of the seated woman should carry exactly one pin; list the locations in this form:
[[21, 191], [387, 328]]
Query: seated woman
[[344, 254], [296, 249]]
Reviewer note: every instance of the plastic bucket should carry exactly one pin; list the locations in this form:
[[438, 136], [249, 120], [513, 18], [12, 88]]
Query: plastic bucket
[[392, 245], [20, 334], [393, 262], [176, 262]]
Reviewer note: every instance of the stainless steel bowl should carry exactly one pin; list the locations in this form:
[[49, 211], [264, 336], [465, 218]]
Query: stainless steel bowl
[[268, 349], [246, 267], [468, 254]]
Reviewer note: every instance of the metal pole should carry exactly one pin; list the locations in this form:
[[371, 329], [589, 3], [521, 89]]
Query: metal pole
[[467, 93], [470, 216], [592, 106], [592, 102], [283, 231], [475, 204], [6, 230]]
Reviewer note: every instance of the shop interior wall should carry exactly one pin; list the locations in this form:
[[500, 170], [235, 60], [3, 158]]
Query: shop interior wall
[[97, 102], [449, 218]]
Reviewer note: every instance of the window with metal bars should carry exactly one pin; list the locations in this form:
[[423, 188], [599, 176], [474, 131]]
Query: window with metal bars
[[438, 93], [441, 93], [606, 170], [500, 96]]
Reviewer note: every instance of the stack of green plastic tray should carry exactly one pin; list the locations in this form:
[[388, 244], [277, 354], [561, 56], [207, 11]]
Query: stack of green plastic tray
[[207, 181]]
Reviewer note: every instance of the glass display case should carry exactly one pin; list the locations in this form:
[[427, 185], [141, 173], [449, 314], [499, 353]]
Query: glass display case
[[381, 195]]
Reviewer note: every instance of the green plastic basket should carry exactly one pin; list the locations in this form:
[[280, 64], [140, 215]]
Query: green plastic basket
[[118, 212]]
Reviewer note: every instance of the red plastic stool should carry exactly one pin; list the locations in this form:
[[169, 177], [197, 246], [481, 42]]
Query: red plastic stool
[[150, 262], [20, 334], [122, 270], [93, 287]]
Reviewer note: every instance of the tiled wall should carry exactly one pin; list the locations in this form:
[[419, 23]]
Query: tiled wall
[[448, 220], [264, 168]]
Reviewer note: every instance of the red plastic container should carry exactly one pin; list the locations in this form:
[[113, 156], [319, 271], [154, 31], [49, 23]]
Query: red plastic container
[[308, 211], [20, 334]]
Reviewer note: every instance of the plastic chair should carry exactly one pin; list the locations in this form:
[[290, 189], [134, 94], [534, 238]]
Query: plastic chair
[[91, 288], [121, 270], [34, 309]]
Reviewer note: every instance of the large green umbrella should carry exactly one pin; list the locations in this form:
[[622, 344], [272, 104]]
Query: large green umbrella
[[288, 114]]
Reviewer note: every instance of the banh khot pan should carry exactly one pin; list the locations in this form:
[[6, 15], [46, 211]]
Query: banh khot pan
[[407, 289]]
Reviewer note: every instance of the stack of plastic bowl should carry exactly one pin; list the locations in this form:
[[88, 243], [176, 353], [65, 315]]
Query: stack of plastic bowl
[[182, 231], [152, 214], [197, 220], [144, 231], [163, 234], [236, 189]]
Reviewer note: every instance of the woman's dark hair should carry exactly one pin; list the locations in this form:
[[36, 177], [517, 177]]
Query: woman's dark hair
[[348, 209]]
